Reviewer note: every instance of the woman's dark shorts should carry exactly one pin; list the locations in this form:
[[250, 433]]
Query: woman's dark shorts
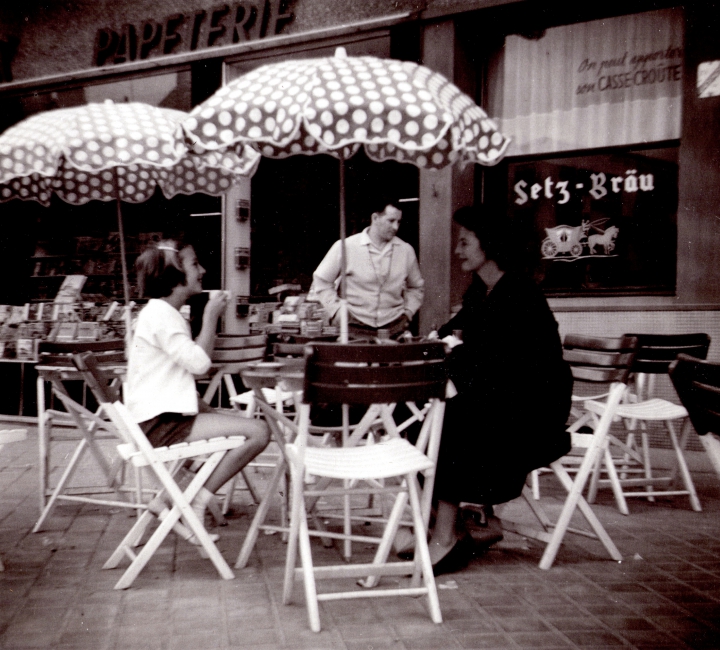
[[168, 428]]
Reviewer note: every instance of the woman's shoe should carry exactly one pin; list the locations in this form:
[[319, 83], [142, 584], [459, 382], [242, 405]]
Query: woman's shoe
[[456, 559]]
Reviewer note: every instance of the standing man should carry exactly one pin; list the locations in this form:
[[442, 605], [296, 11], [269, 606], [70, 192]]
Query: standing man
[[384, 285]]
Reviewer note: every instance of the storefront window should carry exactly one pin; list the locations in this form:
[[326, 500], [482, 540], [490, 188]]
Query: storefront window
[[594, 111], [603, 83]]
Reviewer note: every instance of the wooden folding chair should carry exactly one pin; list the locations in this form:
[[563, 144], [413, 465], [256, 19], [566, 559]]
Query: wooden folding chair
[[369, 375], [697, 384], [592, 446], [595, 362], [600, 366], [654, 354], [286, 376], [76, 423], [164, 462], [8, 436]]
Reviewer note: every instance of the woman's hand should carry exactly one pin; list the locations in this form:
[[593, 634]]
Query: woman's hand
[[216, 306]]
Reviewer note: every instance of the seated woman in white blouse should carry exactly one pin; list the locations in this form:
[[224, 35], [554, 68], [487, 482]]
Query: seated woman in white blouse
[[163, 361]]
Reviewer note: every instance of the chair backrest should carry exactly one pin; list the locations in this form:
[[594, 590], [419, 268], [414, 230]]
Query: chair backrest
[[656, 352], [697, 384], [53, 353], [240, 348], [366, 374], [102, 384], [597, 359]]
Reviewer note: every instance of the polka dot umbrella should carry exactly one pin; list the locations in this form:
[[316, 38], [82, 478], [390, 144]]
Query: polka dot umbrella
[[111, 152], [396, 110]]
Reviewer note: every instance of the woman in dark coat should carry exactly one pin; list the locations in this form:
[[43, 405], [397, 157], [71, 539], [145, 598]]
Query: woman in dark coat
[[513, 385]]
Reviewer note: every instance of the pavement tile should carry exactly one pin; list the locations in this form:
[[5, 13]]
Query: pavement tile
[[540, 640], [376, 644], [490, 641], [523, 625], [593, 638], [54, 594]]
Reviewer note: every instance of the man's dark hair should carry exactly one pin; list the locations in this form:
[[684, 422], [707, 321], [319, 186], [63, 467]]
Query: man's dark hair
[[494, 233], [159, 269], [378, 205]]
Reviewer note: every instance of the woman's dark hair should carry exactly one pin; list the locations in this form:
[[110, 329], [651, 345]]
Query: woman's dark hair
[[159, 269], [494, 233]]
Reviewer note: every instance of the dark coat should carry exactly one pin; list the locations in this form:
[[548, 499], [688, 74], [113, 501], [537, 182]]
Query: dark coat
[[514, 392]]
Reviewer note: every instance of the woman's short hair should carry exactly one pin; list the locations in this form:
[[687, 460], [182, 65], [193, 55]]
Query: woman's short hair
[[159, 269], [494, 234]]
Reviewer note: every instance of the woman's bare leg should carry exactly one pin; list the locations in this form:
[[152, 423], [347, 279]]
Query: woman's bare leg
[[443, 536], [213, 425]]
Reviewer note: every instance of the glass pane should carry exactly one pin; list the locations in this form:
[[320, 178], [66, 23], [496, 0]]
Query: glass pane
[[603, 83], [599, 223]]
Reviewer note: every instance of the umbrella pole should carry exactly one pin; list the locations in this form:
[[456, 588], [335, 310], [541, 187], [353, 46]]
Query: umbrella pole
[[123, 259], [343, 259]]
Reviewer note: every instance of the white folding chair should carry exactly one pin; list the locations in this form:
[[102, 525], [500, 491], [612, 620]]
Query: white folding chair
[[590, 446], [164, 462], [367, 375], [654, 354], [596, 362], [286, 377], [56, 427], [7, 436], [90, 428]]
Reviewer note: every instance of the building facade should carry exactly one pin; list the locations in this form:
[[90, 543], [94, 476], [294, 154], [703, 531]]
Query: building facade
[[612, 179]]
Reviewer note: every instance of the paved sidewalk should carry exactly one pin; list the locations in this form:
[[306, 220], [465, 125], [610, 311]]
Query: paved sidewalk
[[54, 594]]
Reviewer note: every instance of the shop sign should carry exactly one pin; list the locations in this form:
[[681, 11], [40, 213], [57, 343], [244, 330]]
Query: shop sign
[[186, 32], [599, 222]]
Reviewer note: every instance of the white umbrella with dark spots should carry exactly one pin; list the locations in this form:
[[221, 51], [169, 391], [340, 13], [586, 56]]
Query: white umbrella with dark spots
[[396, 110], [111, 152]]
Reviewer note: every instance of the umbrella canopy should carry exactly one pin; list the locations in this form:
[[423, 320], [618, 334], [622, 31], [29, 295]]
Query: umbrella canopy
[[111, 152], [108, 151], [396, 110]]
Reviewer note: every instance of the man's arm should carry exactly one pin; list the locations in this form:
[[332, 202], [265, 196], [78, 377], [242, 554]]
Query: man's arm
[[324, 280], [414, 287]]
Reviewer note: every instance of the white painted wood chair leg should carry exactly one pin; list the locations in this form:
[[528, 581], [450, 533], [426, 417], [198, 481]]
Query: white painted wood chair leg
[[615, 483], [260, 515], [421, 549], [684, 471], [711, 444], [535, 483]]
